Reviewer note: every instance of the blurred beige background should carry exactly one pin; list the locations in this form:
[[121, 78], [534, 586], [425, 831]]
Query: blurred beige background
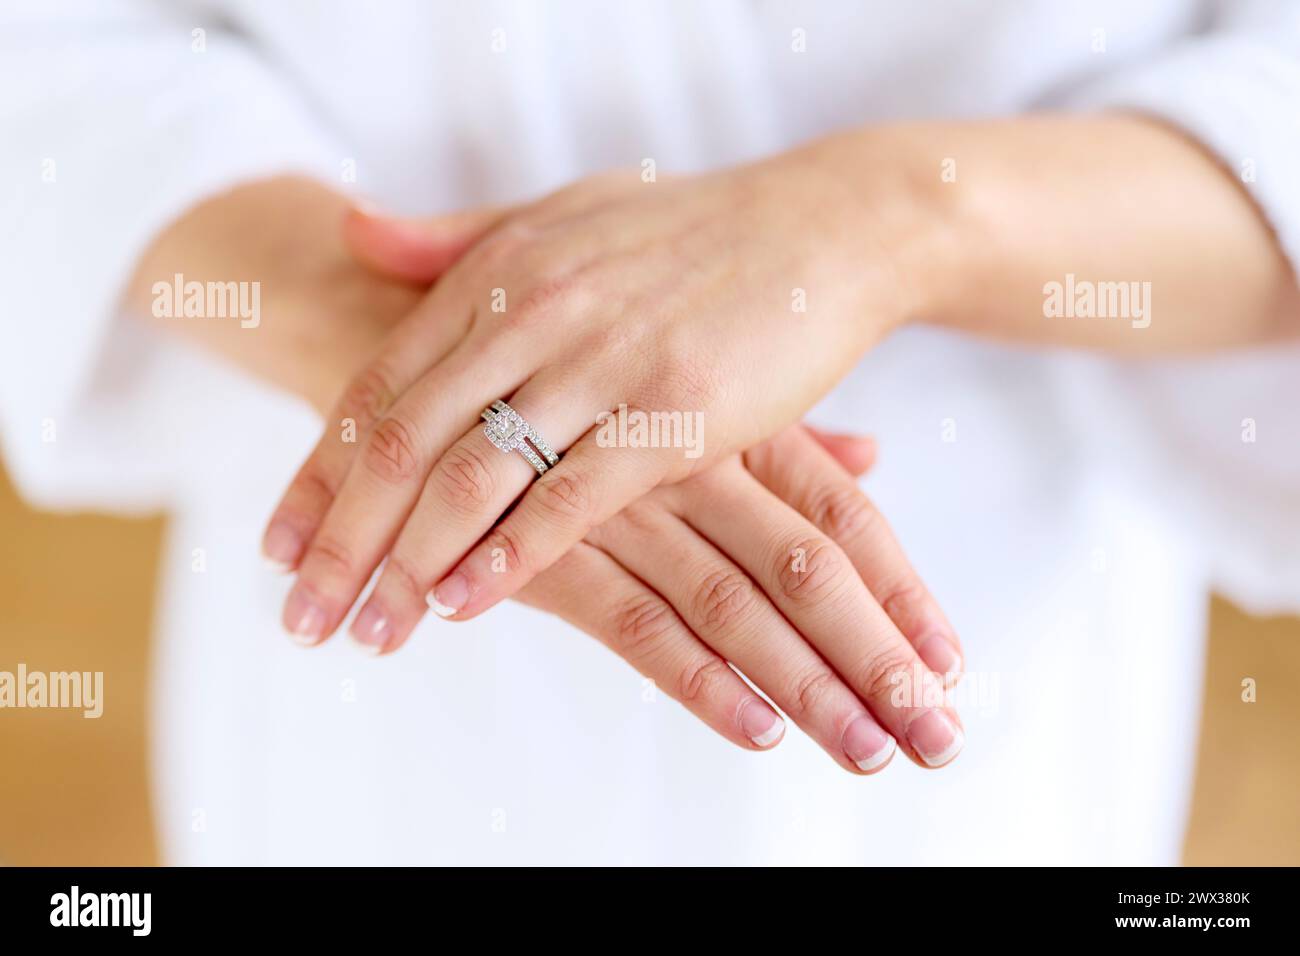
[[76, 593]]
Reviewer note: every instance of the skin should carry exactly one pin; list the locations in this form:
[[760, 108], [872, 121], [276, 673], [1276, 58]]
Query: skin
[[751, 611], [676, 296], [664, 584], [324, 315], [822, 648]]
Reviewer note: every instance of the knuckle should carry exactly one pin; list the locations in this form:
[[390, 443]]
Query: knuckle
[[315, 485], [811, 692], [390, 454], [639, 626], [558, 292], [843, 512], [812, 571], [640, 519], [464, 478], [330, 556], [703, 679], [501, 247], [369, 395], [881, 672], [564, 496], [724, 599], [684, 381], [504, 542], [900, 597], [543, 297], [406, 576]]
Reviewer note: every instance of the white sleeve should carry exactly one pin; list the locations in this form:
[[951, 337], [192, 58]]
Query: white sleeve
[[1228, 429], [116, 116], [1234, 88]]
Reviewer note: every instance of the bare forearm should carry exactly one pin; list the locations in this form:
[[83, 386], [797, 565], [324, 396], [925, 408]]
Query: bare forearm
[[277, 243], [1108, 232]]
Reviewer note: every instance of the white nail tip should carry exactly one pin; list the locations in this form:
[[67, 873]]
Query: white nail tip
[[954, 748], [279, 567], [878, 759], [771, 735], [438, 608]]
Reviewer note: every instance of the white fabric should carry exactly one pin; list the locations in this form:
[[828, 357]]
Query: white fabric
[[1072, 529]]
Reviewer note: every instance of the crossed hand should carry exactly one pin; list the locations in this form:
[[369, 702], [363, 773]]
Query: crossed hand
[[756, 552]]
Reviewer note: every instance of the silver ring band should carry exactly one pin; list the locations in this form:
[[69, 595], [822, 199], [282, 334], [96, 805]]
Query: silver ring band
[[508, 430]]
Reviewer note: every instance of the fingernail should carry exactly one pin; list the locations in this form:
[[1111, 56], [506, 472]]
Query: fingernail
[[281, 548], [449, 596], [760, 723], [867, 744], [304, 618], [371, 629], [940, 656], [935, 737]]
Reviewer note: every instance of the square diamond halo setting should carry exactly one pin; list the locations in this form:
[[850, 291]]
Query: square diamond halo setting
[[506, 430]]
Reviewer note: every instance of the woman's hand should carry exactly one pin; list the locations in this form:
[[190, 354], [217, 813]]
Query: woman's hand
[[682, 297], [767, 561], [770, 562], [323, 312]]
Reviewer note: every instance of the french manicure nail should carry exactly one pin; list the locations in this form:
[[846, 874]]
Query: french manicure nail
[[449, 596], [935, 737], [371, 629], [281, 548], [867, 744], [760, 723], [940, 656], [304, 618]]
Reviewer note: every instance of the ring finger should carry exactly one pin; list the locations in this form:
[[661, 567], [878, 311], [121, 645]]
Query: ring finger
[[466, 490]]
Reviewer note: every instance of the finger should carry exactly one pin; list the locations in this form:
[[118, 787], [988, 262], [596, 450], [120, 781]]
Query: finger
[[855, 454], [466, 491], [416, 250], [591, 591], [586, 488], [813, 583], [381, 487], [804, 476], [416, 345], [720, 603]]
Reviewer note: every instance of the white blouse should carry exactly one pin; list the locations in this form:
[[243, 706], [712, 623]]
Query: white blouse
[[1071, 512]]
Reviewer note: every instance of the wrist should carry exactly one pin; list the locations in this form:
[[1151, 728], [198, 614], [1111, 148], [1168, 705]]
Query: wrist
[[895, 221]]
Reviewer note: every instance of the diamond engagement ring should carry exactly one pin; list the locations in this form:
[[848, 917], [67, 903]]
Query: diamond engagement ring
[[507, 430]]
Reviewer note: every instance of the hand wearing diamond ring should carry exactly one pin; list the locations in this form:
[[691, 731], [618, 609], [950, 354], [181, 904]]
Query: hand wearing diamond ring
[[614, 292], [726, 604]]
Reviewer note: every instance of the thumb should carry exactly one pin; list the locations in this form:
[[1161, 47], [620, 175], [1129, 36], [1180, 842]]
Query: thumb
[[856, 454], [416, 250]]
